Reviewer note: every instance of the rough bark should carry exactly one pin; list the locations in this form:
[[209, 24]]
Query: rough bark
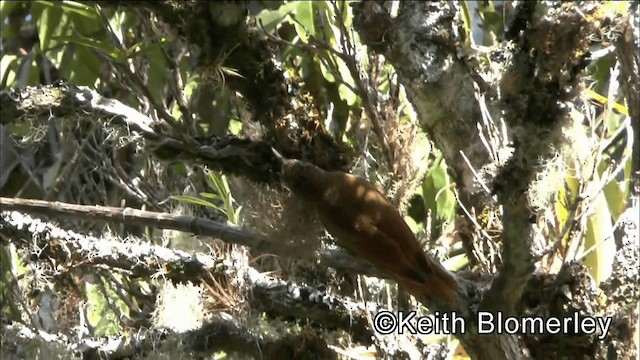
[[138, 259], [421, 44]]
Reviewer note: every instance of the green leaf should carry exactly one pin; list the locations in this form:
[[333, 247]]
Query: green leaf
[[438, 196], [236, 215], [157, 74], [615, 193], [142, 49], [326, 73], [32, 74], [437, 193], [446, 202], [456, 263], [347, 13], [48, 24], [271, 19], [74, 7], [600, 71], [6, 7], [9, 66], [194, 200], [210, 196], [566, 196], [12, 268], [84, 68], [599, 247], [304, 23], [100, 315], [345, 92], [235, 127], [104, 47], [599, 241], [347, 95], [492, 23], [413, 225], [429, 191], [466, 21], [221, 185]]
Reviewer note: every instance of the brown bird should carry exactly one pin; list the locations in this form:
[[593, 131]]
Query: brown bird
[[364, 221]]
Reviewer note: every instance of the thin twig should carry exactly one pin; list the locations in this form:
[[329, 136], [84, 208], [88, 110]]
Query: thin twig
[[135, 77], [475, 173], [177, 87], [68, 169], [360, 88]]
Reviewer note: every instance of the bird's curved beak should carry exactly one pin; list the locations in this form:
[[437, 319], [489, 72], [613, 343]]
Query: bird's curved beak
[[281, 159]]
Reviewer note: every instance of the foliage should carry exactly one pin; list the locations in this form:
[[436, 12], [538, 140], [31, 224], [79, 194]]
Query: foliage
[[128, 54], [222, 194]]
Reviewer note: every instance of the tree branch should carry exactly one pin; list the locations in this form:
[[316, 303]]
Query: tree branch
[[71, 250], [626, 44], [253, 160], [194, 225], [420, 44], [219, 335]]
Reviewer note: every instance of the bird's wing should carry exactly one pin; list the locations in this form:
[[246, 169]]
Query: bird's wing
[[386, 252], [407, 262]]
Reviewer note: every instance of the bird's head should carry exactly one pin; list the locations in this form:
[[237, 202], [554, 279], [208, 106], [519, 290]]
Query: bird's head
[[303, 178]]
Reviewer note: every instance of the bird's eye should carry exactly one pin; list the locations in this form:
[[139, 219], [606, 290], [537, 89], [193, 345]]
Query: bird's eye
[[301, 181], [298, 175]]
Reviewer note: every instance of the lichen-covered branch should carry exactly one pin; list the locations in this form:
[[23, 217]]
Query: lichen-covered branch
[[250, 159], [223, 38], [138, 259], [220, 335], [336, 258], [544, 60], [420, 44], [536, 110]]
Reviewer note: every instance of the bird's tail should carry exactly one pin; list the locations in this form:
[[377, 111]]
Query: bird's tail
[[438, 282]]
